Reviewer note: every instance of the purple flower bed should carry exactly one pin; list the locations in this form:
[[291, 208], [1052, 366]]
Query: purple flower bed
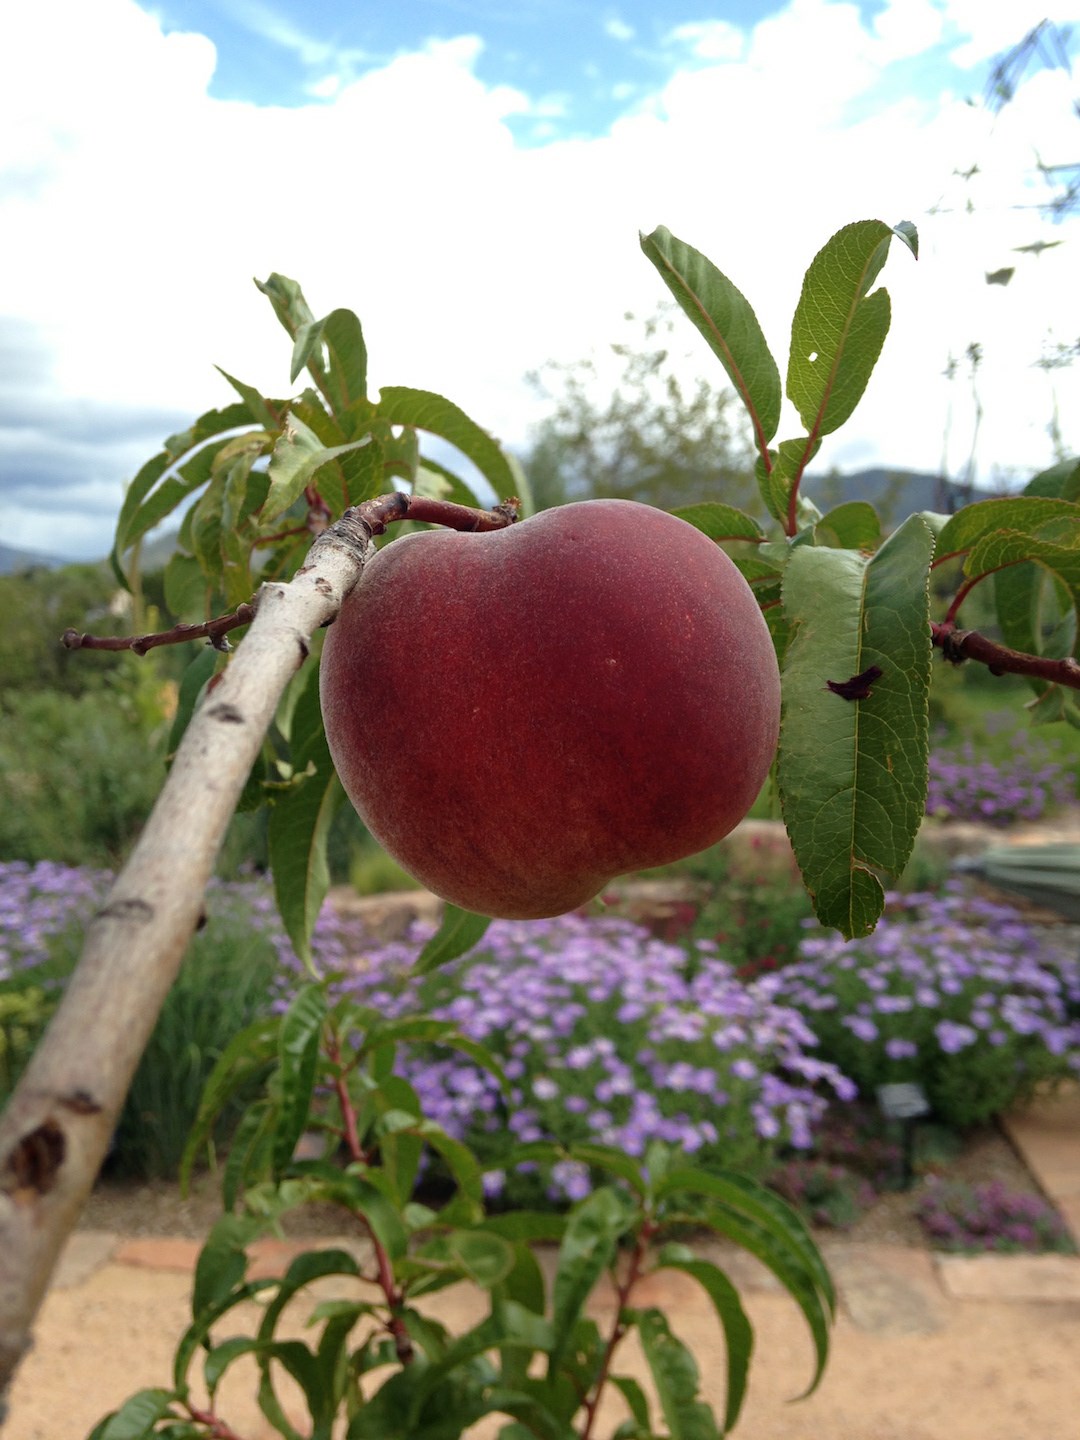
[[955, 992], [604, 1039], [1023, 787], [968, 1219], [43, 909]]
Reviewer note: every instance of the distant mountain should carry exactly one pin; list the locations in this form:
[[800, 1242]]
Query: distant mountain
[[15, 562], [895, 494]]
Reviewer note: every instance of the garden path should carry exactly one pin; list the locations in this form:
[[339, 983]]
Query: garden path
[[925, 1347]]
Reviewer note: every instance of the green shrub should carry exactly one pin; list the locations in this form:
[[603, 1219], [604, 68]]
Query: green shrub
[[78, 776]]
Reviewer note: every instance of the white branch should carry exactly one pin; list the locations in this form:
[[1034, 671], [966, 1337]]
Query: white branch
[[56, 1129]]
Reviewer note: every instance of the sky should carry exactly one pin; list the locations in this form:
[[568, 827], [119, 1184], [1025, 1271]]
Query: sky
[[471, 176]]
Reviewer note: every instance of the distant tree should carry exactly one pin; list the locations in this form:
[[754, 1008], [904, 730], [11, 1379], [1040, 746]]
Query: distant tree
[[651, 434]]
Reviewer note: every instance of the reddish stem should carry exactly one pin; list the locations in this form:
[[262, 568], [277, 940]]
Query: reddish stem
[[618, 1329], [219, 1429], [392, 1295], [960, 645]]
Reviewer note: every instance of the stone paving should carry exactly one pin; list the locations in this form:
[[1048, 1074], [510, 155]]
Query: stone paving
[[926, 1347]]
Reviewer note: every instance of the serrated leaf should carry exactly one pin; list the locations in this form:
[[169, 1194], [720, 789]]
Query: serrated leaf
[[853, 526], [267, 413], [726, 319], [853, 773], [287, 298], [137, 1417], [298, 1058], [248, 1053], [185, 586], [347, 354], [677, 1380], [298, 457], [616, 1162], [459, 931], [738, 1332], [587, 1249], [1030, 514], [839, 326], [424, 410], [720, 522], [300, 823]]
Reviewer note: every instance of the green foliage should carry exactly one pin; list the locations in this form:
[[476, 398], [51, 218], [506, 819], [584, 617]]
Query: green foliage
[[373, 1360], [78, 774], [851, 609]]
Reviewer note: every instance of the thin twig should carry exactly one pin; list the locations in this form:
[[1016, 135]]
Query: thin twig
[[375, 514]]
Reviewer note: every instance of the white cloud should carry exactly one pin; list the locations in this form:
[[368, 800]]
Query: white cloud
[[709, 39], [618, 29], [136, 209]]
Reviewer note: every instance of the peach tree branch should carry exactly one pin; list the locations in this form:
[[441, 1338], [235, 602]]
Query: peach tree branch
[[960, 645], [56, 1128]]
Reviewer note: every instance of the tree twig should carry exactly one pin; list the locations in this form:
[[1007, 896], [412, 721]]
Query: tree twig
[[376, 514], [960, 645], [56, 1128]]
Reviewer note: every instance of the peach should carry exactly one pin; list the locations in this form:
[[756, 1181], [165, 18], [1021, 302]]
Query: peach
[[521, 715]]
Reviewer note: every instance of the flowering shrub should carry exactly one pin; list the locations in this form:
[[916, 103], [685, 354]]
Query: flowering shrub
[[828, 1195], [957, 993], [1022, 787], [604, 1038], [42, 910], [969, 1218]]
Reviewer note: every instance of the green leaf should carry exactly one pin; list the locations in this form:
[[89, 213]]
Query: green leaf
[[185, 586], [300, 823], [298, 457], [298, 1057], [250, 1151], [481, 1255], [248, 1054], [346, 375], [853, 526], [528, 1225], [192, 685], [288, 301], [137, 1417], [720, 522], [725, 318], [587, 1250], [616, 1162], [222, 1262], [853, 772], [675, 1374], [760, 1222], [425, 410], [459, 931], [267, 413], [839, 326], [634, 1396], [738, 1332], [1048, 518], [1062, 481]]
